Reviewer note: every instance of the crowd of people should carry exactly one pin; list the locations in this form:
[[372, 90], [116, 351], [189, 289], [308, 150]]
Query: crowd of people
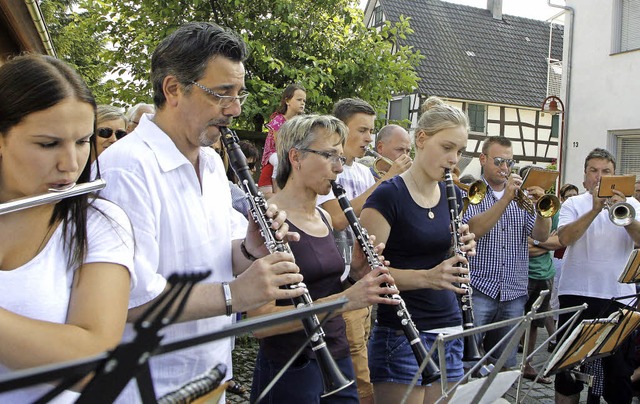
[[74, 272]]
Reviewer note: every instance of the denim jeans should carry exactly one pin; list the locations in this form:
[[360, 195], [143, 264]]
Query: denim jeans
[[301, 383], [486, 311], [392, 360]]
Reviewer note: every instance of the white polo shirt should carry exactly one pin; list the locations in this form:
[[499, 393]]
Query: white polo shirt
[[179, 226]]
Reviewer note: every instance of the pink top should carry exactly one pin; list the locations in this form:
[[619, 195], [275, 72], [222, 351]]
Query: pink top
[[273, 126]]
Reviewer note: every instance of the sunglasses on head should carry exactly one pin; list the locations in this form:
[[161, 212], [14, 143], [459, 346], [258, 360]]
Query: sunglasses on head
[[108, 132]]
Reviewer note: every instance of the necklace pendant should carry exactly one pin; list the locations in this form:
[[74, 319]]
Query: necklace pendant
[[430, 214]]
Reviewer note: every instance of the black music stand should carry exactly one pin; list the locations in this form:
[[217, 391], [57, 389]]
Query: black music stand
[[595, 338], [114, 369]]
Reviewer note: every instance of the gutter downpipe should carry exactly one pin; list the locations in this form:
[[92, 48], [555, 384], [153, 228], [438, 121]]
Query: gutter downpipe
[[562, 155], [41, 27]]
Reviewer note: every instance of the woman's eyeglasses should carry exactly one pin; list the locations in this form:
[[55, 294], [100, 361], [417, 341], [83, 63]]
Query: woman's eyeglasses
[[108, 132], [334, 158]]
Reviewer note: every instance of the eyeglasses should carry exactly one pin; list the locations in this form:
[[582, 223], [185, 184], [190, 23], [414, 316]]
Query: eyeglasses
[[498, 161], [224, 101], [108, 132], [333, 157]]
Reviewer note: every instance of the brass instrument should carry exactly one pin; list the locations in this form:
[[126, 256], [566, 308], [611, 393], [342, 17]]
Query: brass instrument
[[369, 151], [620, 213], [547, 206], [476, 191]]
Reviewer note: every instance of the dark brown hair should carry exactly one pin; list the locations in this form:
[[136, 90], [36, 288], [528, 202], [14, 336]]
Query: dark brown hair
[[287, 95], [32, 83]]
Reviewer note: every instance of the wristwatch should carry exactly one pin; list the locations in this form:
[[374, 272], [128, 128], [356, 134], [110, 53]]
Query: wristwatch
[[536, 242]]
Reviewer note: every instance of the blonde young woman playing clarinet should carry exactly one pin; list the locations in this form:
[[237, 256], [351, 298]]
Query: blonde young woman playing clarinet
[[410, 214], [310, 155]]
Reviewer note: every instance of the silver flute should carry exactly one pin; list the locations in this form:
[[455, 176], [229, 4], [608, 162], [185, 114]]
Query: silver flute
[[52, 196]]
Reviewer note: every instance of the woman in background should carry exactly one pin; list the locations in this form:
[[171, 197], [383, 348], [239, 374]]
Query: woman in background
[[57, 258], [291, 104], [111, 126]]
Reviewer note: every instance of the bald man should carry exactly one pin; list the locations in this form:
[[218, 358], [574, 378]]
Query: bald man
[[394, 143]]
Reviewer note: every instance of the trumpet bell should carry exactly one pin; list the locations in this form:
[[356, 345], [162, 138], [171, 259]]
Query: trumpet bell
[[476, 192], [621, 214], [548, 205]]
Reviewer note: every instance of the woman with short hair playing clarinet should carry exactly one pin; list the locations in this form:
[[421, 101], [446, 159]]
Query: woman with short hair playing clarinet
[[310, 156]]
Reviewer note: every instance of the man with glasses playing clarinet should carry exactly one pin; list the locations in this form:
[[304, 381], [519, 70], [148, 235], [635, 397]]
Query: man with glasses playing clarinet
[[499, 271], [174, 188]]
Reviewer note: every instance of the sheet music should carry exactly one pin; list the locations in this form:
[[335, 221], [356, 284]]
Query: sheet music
[[631, 272]]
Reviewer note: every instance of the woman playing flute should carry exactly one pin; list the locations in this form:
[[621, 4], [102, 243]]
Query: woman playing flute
[[64, 266]]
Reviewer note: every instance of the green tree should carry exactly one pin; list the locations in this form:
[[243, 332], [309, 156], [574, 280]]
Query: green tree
[[323, 45], [68, 27]]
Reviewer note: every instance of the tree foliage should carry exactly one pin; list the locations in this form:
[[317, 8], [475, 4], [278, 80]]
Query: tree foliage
[[323, 45], [76, 44]]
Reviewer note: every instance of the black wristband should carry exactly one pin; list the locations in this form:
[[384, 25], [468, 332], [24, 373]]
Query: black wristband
[[246, 253], [351, 280]]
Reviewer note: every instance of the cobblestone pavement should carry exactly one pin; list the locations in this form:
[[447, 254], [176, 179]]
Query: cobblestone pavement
[[246, 348]]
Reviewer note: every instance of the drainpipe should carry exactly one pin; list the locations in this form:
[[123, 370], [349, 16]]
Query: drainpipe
[[567, 67], [41, 27]]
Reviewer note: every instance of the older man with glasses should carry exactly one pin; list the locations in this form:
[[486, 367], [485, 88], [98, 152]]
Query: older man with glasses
[[174, 188], [499, 271]]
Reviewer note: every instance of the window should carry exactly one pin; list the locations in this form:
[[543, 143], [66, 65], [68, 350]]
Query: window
[[477, 117], [626, 26], [628, 154], [377, 16], [399, 109]]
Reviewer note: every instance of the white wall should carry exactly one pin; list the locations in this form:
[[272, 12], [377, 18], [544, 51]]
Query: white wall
[[604, 88]]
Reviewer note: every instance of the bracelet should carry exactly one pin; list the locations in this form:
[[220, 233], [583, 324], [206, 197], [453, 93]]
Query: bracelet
[[351, 280], [247, 254], [227, 297]]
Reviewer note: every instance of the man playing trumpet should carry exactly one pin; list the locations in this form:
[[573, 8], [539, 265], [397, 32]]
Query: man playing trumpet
[[597, 251], [393, 144], [499, 271]]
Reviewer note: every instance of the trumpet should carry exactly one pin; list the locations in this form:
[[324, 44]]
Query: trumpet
[[370, 152], [547, 206], [620, 213], [476, 191]]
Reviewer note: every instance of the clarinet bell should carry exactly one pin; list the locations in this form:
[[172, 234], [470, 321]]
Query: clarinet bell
[[332, 378]]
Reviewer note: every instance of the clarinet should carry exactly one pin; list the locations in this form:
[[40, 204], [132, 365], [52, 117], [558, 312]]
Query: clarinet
[[471, 352], [197, 387], [430, 373], [332, 378]]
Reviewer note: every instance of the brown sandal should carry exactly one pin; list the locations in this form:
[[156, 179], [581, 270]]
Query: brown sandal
[[541, 379]]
